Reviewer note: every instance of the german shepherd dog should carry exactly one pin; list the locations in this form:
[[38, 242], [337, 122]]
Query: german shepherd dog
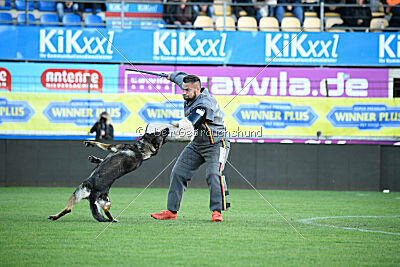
[[123, 159]]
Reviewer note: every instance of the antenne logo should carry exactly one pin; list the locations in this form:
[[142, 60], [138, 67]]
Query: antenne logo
[[84, 112], [166, 112], [301, 48], [274, 115], [173, 45], [5, 79], [62, 43], [15, 111], [72, 79]]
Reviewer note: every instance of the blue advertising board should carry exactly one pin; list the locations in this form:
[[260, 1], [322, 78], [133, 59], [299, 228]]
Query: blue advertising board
[[199, 47], [84, 112], [275, 115], [365, 116]]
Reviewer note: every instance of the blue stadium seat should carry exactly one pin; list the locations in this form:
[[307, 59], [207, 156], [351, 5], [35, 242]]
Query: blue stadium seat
[[93, 21], [46, 6], [6, 19], [49, 20], [20, 5], [89, 10], [71, 20], [21, 19], [7, 5]]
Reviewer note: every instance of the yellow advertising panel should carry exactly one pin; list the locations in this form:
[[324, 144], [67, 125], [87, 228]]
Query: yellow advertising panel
[[245, 116]]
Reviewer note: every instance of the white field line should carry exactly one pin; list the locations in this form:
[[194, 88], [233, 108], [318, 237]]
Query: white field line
[[310, 221]]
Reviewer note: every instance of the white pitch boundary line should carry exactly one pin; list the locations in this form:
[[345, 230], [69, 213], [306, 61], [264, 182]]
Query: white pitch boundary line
[[310, 221]]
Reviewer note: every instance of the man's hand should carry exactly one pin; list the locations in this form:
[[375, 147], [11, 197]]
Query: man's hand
[[68, 4]]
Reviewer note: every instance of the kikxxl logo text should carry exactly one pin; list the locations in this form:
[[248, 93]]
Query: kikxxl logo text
[[75, 44], [72, 79], [5, 79], [187, 44], [303, 46]]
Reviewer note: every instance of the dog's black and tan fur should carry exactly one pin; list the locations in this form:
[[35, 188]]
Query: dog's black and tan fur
[[123, 159]]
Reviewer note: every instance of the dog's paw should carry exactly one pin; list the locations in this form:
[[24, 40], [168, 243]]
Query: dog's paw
[[52, 217], [115, 220], [88, 143]]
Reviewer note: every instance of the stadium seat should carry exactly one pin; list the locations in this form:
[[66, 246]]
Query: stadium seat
[[290, 24], [378, 24], [378, 14], [288, 14], [93, 21], [312, 24], [46, 6], [89, 10], [269, 24], [6, 19], [310, 14], [332, 21], [6, 6], [332, 14], [49, 20], [20, 5], [71, 20], [247, 23], [204, 22], [219, 7], [21, 19], [230, 24]]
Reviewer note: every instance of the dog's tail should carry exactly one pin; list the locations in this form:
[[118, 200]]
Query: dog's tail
[[96, 211]]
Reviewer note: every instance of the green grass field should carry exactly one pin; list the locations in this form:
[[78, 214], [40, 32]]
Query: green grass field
[[252, 232]]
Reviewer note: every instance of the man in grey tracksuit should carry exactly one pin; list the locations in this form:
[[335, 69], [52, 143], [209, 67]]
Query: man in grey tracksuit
[[209, 146]]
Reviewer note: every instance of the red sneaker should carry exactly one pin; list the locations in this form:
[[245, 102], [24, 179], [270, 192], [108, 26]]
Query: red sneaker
[[164, 215], [217, 216]]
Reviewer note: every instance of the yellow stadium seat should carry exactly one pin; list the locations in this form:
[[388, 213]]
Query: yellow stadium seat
[[331, 14], [378, 14], [269, 24], [290, 24], [378, 24], [230, 24], [312, 24], [204, 22], [310, 14], [219, 8], [332, 21], [247, 24], [288, 14]]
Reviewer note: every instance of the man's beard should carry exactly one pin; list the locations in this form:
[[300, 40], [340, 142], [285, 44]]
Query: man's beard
[[189, 98]]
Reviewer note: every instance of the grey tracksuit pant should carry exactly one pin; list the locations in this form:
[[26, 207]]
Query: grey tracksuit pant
[[189, 161]]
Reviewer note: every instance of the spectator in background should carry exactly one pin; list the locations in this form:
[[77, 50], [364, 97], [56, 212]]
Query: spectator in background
[[395, 10], [335, 9], [247, 10], [265, 8], [95, 5], [356, 16], [61, 6], [103, 127], [203, 9], [311, 5], [296, 10], [178, 15]]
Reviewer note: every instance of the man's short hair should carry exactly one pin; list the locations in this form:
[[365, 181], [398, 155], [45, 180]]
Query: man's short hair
[[191, 79]]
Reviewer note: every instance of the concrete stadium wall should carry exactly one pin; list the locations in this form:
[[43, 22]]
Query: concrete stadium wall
[[266, 166]]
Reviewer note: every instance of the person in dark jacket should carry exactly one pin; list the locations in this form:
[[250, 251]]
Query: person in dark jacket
[[356, 16], [181, 14], [103, 127]]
